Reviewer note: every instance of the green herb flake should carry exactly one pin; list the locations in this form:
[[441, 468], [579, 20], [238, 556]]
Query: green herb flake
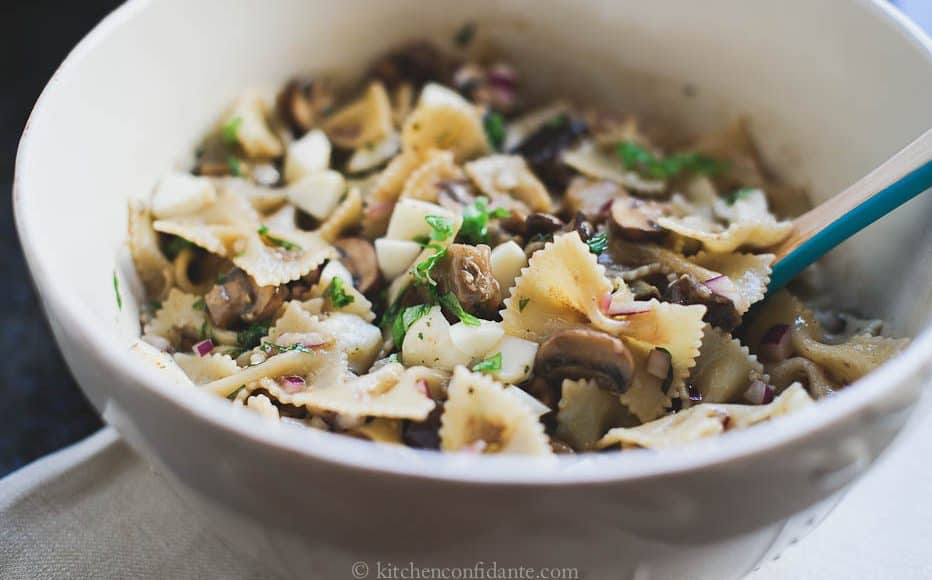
[[522, 303], [491, 364], [116, 290], [598, 243], [475, 228], [634, 157], [494, 125], [465, 34], [252, 335], [557, 121], [234, 165], [739, 194], [230, 130], [403, 322], [199, 304], [285, 244], [441, 227], [232, 396], [423, 269], [337, 293], [450, 301]]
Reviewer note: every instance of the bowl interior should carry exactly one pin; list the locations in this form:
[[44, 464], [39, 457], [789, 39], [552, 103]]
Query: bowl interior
[[832, 89]]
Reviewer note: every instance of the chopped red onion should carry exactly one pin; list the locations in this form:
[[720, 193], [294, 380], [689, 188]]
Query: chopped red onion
[[694, 395], [723, 286], [659, 362], [619, 308], [204, 347], [422, 387], [776, 345], [293, 384], [503, 76], [759, 393]]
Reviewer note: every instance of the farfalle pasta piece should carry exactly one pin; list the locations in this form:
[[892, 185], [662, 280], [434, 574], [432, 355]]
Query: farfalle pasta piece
[[705, 420], [379, 430], [479, 416], [250, 117], [178, 318], [591, 161], [586, 412], [749, 225], [389, 392], [263, 199], [562, 287], [208, 368], [276, 257], [509, 175], [388, 185], [803, 370], [217, 227], [154, 270], [725, 367], [365, 121], [300, 363], [262, 405], [375, 154], [845, 362], [444, 120], [426, 182], [749, 273], [647, 397], [347, 215]]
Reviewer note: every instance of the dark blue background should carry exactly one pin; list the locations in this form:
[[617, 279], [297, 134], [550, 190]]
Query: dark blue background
[[41, 408]]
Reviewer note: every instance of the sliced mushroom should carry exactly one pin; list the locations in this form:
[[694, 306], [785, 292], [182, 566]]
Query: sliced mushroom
[[418, 63], [237, 298], [582, 353], [467, 272], [541, 224], [582, 226], [302, 102], [720, 311], [358, 255], [636, 219], [543, 148]]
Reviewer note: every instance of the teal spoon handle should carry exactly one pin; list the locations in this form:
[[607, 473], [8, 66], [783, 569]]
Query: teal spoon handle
[[898, 180]]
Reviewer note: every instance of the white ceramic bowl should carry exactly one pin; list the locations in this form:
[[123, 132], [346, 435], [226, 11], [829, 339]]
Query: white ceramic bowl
[[833, 88]]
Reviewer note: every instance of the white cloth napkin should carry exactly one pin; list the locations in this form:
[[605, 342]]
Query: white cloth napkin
[[96, 510]]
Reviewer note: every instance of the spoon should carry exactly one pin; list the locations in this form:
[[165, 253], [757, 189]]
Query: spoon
[[893, 183]]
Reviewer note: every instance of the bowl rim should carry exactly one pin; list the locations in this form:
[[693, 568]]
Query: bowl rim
[[354, 454]]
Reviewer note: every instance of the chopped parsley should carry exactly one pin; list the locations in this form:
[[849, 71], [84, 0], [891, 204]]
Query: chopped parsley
[[232, 396], [252, 335], [230, 130], [557, 121], [199, 304], [494, 125], [337, 294], [423, 269], [475, 228], [491, 364], [234, 165], [264, 232], [116, 290], [634, 157], [598, 243], [403, 322], [738, 195], [522, 303], [465, 34], [450, 301], [441, 227]]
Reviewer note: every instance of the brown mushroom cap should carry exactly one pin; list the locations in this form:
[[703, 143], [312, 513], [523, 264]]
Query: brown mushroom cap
[[238, 298], [582, 353], [636, 219], [301, 103], [466, 271], [720, 311], [358, 255]]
